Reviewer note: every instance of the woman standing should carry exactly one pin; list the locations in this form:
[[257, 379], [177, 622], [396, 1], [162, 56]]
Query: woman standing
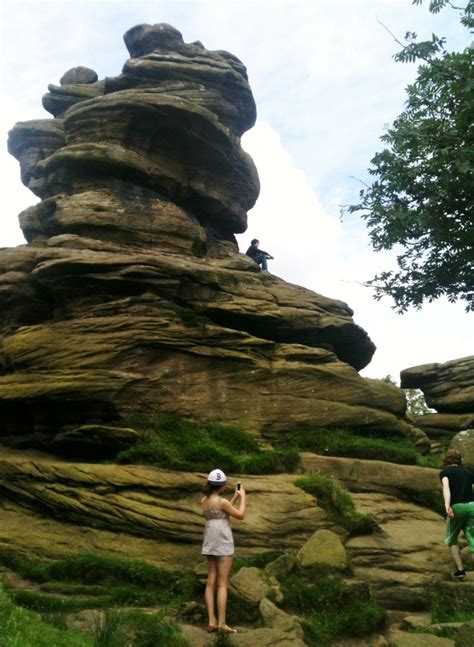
[[218, 545]]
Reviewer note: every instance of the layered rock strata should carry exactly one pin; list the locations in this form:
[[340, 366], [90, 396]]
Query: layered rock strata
[[448, 388], [131, 293]]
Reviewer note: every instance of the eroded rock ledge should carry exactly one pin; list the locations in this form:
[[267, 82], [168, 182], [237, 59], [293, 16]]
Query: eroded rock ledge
[[131, 293]]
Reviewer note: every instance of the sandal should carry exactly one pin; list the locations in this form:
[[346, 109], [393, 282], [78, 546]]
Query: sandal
[[226, 630], [211, 628]]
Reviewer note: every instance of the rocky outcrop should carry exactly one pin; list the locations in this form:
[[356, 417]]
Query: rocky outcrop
[[398, 560], [131, 294], [448, 387], [158, 505]]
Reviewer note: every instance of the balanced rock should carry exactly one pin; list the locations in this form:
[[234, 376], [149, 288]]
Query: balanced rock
[[79, 74], [326, 548], [131, 293], [448, 387]]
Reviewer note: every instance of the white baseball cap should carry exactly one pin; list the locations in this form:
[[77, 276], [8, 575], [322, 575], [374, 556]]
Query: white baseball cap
[[216, 476]]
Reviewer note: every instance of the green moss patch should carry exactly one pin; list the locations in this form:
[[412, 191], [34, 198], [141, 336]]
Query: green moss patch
[[185, 445], [337, 501]]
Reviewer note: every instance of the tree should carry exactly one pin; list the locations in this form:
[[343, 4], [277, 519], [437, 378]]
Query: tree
[[422, 198], [416, 403]]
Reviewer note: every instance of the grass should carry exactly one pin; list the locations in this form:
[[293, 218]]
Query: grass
[[180, 444], [337, 501], [110, 581], [22, 628], [329, 608], [446, 607], [344, 442]]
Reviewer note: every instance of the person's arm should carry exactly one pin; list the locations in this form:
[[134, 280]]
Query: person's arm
[[447, 496], [237, 513]]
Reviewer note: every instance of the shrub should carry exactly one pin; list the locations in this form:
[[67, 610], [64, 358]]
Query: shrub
[[180, 444], [334, 498]]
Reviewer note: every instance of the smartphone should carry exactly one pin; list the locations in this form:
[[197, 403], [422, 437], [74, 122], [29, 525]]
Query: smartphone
[[238, 485]]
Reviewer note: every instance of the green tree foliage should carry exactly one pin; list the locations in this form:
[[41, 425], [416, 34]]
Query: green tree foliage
[[421, 201], [416, 404]]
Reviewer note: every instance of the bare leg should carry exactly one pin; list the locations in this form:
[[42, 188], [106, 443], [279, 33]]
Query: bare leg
[[210, 590], [456, 553], [224, 564]]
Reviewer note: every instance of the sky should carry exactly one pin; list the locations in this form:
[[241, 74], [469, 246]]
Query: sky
[[326, 87]]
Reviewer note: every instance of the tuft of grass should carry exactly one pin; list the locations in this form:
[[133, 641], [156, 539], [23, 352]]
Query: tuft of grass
[[334, 498], [449, 607], [344, 442], [152, 630], [186, 445], [329, 608], [109, 630], [22, 628]]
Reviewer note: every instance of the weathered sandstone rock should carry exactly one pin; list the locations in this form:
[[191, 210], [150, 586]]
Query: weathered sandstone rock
[[448, 387], [374, 476], [437, 425], [398, 559], [326, 548], [279, 619], [131, 293], [464, 442], [153, 503], [253, 585]]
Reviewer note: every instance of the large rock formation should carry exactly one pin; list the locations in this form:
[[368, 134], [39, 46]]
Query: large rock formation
[[131, 293], [448, 388]]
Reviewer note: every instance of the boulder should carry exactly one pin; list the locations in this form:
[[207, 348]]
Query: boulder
[[278, 619], [79, 74], [448, 387], [252, 584], [464, 442], [324, 547], [281, 566]]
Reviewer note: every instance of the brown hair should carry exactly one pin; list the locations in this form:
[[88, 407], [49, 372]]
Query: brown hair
[[453, 457], [210, 488]]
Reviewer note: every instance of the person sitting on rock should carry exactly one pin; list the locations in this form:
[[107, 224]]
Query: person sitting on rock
[[258, 255], [218, 545], [458, 497]]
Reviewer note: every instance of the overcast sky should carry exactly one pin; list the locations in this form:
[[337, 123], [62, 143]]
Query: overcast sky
[[325, 85]]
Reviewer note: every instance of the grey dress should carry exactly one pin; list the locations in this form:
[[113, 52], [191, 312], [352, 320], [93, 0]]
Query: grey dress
[[218, 539]]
